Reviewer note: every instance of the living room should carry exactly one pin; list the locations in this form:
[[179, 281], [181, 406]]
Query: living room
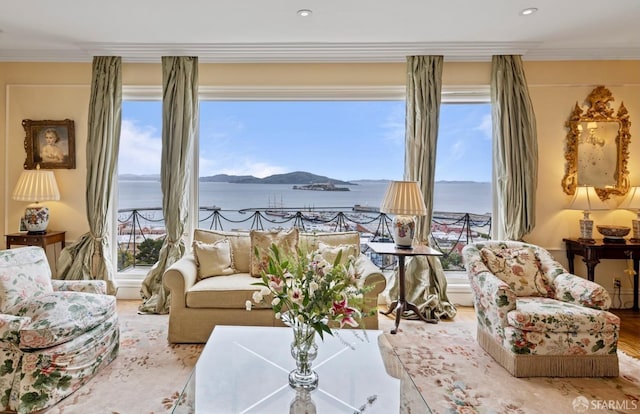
[[60, 89]]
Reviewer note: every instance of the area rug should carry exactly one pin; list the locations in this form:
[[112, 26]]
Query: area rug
[[146, 377], [454, 375], [452, 372]]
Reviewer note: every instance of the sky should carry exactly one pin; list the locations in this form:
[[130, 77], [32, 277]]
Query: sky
[[345, 140]]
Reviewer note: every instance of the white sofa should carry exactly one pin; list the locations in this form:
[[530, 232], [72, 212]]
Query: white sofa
[[199, 304]]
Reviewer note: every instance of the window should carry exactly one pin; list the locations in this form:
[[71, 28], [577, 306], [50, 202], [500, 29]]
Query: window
[[463, 193], [357, 140], [140, 226]]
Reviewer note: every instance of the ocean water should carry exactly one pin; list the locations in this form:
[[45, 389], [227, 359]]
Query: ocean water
[[456, 197]]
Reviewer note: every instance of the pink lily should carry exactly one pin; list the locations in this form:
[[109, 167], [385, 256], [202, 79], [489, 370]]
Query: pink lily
[[341, 308], [275, 283]]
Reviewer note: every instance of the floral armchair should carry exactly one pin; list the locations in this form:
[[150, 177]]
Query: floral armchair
[[535, 318], [54, 335]]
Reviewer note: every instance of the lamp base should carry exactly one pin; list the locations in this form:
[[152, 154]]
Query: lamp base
[[635, 225], [36, 218], [404, 228], [586, 230]]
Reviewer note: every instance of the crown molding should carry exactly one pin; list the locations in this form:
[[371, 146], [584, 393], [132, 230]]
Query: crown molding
[[316, 52]]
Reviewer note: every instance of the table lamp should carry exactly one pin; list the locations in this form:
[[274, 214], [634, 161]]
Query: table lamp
[[36, 185], [404, 200], [632, 202], [587, 200]]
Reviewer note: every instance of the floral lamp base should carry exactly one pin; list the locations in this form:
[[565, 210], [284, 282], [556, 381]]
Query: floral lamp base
[[36, 218], [404, 228]]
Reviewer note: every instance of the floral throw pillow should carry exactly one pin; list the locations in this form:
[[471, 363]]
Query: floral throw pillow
[[213, 259], [519, 268], [286, 240]]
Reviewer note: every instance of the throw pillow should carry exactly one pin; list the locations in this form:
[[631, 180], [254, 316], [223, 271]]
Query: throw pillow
[[24, 275], [519, 268], [240, 245], [285, 240], [213, 259], [330, 253]]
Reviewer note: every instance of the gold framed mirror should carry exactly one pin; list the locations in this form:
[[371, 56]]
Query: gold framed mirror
[[597, 148]]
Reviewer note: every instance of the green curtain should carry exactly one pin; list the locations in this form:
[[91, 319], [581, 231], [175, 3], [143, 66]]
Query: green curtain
[[515, 150], [179, 124], [90, 256], [425, 283]]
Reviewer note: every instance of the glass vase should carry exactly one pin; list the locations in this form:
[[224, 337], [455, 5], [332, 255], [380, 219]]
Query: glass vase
[[303, 350], [302, 404]]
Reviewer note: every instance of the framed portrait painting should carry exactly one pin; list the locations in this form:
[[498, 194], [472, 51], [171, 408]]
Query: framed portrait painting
[[50, 144]]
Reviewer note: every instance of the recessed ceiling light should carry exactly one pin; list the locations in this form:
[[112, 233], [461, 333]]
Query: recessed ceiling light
[[528, 11], [304, 12]]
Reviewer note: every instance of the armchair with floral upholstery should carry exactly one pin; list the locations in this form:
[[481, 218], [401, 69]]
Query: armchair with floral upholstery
[[54, 335], [535, 318]]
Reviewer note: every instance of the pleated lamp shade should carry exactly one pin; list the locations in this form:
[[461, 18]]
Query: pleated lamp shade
[[36, 185], [404, 199]]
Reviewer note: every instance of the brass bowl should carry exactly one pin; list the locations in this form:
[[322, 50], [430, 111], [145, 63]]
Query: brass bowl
[[613, 231]]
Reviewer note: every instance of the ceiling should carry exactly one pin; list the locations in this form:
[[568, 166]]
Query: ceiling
[[336, 31]]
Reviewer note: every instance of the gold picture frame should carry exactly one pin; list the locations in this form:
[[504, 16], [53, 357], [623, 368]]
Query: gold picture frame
[[597, 146], [50, 144]]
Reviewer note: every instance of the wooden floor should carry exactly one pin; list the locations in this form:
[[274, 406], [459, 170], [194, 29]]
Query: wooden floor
[[628, 342]]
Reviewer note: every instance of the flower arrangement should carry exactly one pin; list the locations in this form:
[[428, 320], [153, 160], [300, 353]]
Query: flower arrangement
[[306, 289]]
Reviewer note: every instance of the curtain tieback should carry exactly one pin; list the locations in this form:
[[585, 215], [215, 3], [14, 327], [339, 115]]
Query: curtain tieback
[[95, 238], [171, 242]]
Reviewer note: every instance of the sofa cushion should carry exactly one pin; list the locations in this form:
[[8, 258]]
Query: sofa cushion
[[228, 292], [330, 253], [309, 242], [519, 268], [551, 315], [261, 241], [213, 259], [240, 245], [24, 274], [61, 316]]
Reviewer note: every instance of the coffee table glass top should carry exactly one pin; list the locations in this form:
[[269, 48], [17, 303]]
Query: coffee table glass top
[[245, 370]]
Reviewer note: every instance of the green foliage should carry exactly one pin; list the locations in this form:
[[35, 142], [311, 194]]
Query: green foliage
[[125, 259], [149, 251]]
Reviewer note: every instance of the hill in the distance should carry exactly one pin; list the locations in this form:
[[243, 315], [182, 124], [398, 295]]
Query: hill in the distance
[[296, 177]]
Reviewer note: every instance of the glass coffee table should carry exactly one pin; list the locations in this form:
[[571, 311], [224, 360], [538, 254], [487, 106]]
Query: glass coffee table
[[245, 370]]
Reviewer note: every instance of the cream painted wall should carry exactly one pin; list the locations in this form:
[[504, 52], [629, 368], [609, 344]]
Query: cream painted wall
[[60, 90]]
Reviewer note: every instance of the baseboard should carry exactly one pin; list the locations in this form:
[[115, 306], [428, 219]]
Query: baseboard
[[128, 288]]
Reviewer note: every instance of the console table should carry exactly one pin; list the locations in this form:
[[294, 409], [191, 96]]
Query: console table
[[593, 252], [401, 305]]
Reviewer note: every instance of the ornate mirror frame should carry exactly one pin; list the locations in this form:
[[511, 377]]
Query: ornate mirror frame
[[598, 115]]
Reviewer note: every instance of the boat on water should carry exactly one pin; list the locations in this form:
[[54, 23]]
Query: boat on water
[[320, 187], [366, 209]]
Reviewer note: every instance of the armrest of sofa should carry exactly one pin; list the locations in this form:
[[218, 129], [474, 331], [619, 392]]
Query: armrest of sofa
[[574, 289], [10, 327], [371, 276], [492, 297], [84, 286], [179, 278]]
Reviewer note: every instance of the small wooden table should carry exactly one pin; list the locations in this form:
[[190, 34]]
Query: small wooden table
[[401, 305], [594, 251], [42, 240]]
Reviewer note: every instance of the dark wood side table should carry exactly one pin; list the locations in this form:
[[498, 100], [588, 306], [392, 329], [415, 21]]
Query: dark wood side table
[[401, 305], [42, 240], [593, 252]]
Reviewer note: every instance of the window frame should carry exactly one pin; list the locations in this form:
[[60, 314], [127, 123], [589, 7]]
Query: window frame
[[450, 94]]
